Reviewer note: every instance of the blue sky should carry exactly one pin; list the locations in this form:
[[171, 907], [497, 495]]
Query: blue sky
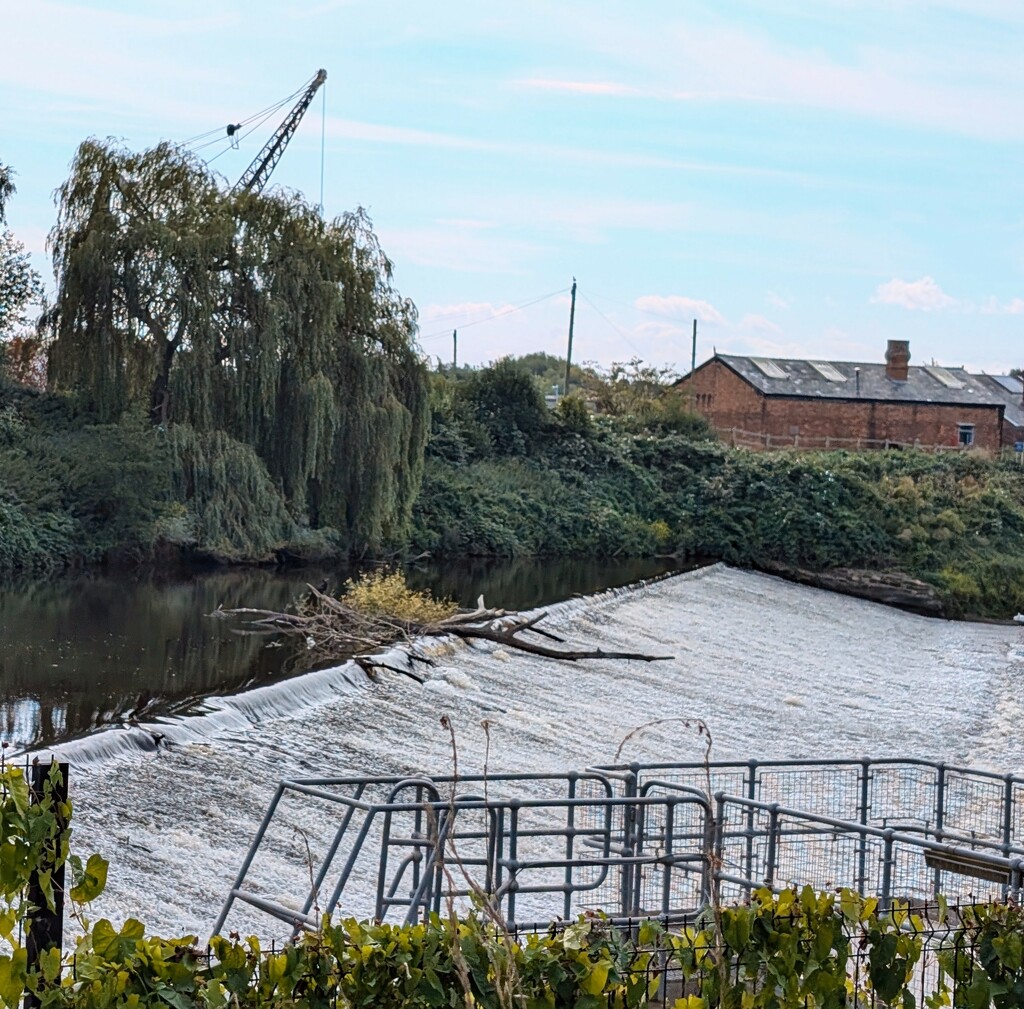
[[806, 178]]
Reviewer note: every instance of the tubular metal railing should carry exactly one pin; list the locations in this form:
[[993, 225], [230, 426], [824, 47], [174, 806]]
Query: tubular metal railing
[[576, 840], [636, 839]]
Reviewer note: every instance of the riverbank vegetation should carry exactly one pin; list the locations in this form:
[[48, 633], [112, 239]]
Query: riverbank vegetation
[[505, 476], [233, 379], [655, 480]]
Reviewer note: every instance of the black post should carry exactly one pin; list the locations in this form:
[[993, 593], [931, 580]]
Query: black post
[[45, 927], [455, 350], [568, 356]]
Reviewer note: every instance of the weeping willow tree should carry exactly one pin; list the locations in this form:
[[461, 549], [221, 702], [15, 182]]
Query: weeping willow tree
[[248, 315]]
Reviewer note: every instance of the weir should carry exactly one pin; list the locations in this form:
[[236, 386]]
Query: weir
[[646, 840], [776, 670]]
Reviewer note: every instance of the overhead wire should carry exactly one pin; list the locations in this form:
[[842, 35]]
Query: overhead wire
[[323, 139], [238, 140], [635, 348], [511, 310], [219, 136]]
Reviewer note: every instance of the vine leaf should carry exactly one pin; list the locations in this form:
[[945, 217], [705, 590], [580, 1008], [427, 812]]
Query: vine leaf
[[90, 880]]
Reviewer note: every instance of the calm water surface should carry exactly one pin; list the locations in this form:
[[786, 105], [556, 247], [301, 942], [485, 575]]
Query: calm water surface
[[79, 654]]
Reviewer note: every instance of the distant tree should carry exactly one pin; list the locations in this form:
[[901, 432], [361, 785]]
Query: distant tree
[[630, 387], [507, 403], [20, 287], [1017, 373], [24, 359]]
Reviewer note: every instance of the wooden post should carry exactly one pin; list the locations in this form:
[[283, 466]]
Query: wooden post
[[568, 352], [45, 926]]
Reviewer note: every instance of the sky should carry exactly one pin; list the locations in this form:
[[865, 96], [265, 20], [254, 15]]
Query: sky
[[806, 179]]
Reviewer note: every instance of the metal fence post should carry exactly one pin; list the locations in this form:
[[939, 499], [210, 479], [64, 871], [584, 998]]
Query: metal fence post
[[773, 831], [45, 924], [865, 807], [752, 795], [886, 895]]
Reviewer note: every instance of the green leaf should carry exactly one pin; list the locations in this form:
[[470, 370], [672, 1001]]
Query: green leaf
[[92, 880], [978, 995], [12, 978], [50, 963], [594, 982], [1009, 949], [116, 947]]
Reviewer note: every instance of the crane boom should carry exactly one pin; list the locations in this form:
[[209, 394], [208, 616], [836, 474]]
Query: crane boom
[[257, 174]]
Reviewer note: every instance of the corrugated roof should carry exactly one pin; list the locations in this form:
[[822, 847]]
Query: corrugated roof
[[804, 379], [1011, 391]]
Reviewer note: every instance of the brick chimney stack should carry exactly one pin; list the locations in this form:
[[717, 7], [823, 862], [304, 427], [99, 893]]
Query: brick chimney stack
[[897, 360]]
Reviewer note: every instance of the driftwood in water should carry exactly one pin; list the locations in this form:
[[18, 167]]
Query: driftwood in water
[[334, 630]]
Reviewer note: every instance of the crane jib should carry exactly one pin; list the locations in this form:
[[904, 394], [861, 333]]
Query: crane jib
[[257, 174]]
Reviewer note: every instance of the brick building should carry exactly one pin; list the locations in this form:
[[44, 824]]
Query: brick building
[[834, 404], [1011, 391]]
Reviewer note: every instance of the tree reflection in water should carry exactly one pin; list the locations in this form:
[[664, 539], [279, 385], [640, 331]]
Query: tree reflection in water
[[82, 653]]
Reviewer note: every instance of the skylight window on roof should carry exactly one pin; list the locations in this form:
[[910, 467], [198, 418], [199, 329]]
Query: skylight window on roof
[[828, 371], [770, 368], [949, 380]]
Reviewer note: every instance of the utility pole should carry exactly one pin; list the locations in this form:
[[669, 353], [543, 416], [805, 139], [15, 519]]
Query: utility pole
[[455, 350], [568, 355], [693, 352]]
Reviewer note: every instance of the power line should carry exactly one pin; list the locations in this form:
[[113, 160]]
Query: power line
[[495, 315], [635, 348]]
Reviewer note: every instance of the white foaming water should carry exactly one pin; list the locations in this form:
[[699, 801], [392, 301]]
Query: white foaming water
[[775, 670]]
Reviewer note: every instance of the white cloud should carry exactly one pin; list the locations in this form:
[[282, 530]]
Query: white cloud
[[969, 90], [778, 301], [919, 295], [677, 306], [991, 306], [753, 323]]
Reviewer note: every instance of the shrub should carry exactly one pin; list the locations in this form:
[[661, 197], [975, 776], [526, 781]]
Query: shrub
[[386, 593]]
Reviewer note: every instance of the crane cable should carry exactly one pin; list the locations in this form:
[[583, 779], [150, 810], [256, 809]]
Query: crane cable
[[238, 139], [218, 134]]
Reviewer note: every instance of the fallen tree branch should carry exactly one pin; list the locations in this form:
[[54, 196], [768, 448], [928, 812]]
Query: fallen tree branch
[[335, 630]]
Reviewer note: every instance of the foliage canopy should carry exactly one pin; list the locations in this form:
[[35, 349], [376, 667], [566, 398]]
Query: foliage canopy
[[245, 314], [19, 282]]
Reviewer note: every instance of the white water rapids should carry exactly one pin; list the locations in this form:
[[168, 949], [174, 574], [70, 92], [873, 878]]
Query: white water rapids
[[775, 670]]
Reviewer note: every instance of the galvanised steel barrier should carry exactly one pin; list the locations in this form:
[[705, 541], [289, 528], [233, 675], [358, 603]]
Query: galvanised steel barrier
[[793, 846], [654, 839], [416, 844], [947, 801]]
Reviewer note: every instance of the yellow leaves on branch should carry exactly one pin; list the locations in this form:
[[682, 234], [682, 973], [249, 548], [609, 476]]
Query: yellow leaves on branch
[[387, 594]]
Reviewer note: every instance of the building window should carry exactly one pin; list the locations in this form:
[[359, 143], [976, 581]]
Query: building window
[[965, 435]]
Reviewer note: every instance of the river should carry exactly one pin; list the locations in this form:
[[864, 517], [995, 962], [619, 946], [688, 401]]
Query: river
[[80, 654]]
